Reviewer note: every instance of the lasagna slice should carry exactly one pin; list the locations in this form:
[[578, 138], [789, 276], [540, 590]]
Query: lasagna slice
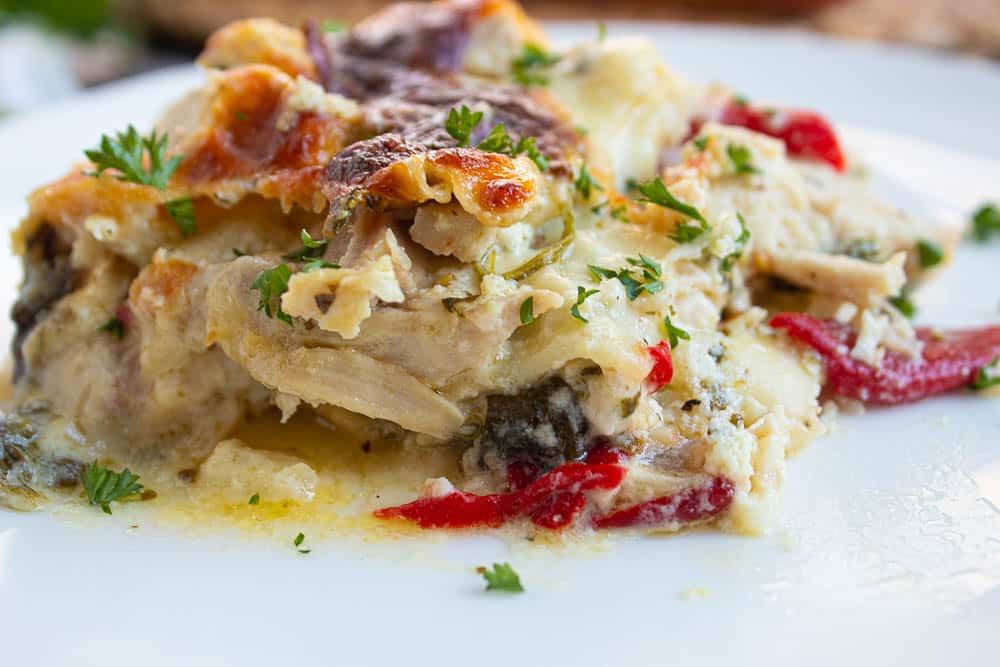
[[558, 269]]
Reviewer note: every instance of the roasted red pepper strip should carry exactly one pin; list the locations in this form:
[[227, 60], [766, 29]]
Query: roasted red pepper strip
[[544, 496], [694, 504], [950, 360], [663, 366], [805, 133]]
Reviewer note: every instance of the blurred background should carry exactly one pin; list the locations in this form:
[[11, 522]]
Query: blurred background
[[52, 48]]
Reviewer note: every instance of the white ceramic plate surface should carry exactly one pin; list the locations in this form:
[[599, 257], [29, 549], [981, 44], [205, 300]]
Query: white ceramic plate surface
[[888, 552]]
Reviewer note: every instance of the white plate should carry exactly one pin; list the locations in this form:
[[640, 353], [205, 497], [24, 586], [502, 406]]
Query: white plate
[[890, 545]]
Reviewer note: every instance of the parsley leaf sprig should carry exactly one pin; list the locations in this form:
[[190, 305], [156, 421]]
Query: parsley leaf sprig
[[272, 283], [674, 333], [986, 223], [297, 543], [127, 152], [529, 68], [742, 240], [461, 122], [649, 281], [528, 310], [742, 159], [582, 294], [124, 153], [311, 248], [929, 253], [585, 183], [987, 376], [655, 192], [501, 578], [105, 486], [903, 304]]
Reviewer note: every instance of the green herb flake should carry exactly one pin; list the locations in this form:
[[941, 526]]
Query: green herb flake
[[655, 192], [903, 304], [461, 122], [528, 69], [742, 159], [674, 334], [124, 153], [254, 499], [582, 295], [701, 143], [299, 539], [528, 310], [114, 326], [182, 212], [648, 282], [318, 264], [742, 240], [311, 248], [602, 31], [740, 100], [272, 283], [240, 116], [986, 223], [105, 486], [929, 253], [987, 376], [501, 578], [499, 141], [585, 183]]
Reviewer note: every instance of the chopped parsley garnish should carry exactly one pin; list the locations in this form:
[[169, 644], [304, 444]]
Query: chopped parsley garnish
[[299, 539], [254, 499], [740, 100], [865, 249], [987, 376], [104, 486], [701, 143], [125, 153], [929, 253], [655, 192], [528, 69], [182, 211], [461, 122], [674, 334], [986, 223], [602, 31], [742, 159], [318, 264], [903, 304], [272, 283], [499, 141], [582, 295], [741, 245], [528, 310], [240, 115], [648, 282], [310, 248], [585, 183], [501, 578], [114, 326], [619, 212]]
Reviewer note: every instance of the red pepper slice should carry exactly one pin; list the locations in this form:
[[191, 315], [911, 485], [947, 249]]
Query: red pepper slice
[[805, 133], [663, 366], [544, 496], [694, 504], [949, 361]]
